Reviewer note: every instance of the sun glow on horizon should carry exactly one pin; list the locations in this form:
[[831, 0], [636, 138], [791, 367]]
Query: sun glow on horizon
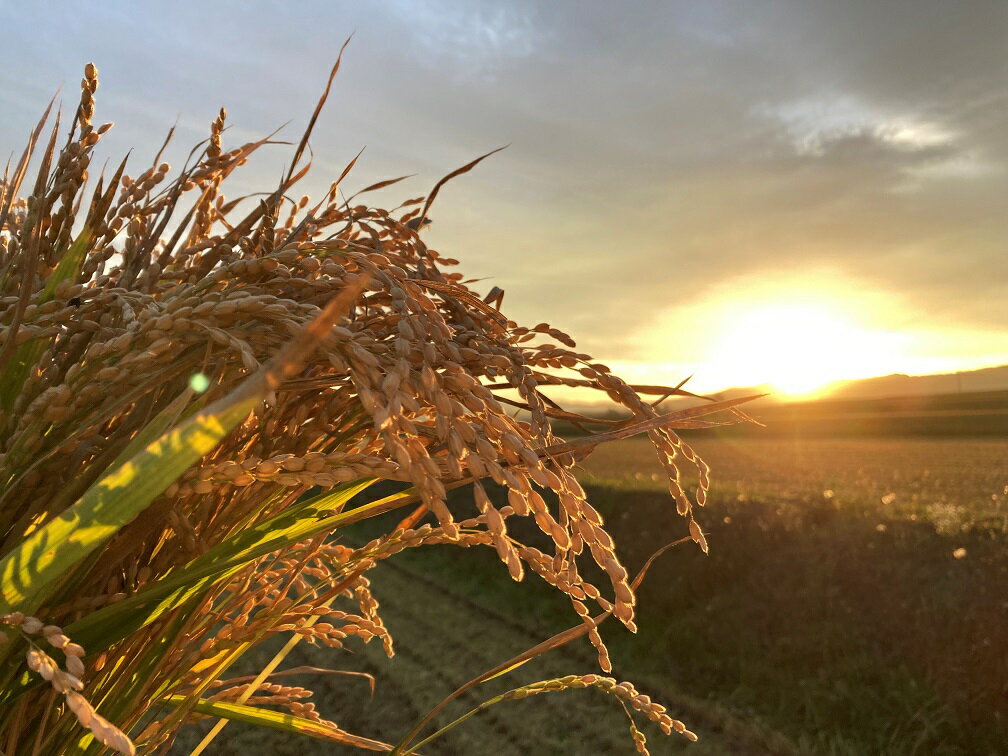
[[797, 334], [801, 336], [797, 348]]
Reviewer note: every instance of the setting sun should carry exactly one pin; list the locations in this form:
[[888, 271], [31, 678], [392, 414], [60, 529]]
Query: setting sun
[[796, 348], [799, 334]]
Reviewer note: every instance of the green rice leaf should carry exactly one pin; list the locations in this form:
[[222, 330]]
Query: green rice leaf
[[28, 354], [302, 520], [69, 266], [28, 573], [279, 721]]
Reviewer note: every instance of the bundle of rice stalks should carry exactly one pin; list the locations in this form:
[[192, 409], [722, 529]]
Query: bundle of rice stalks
[[193, 389]]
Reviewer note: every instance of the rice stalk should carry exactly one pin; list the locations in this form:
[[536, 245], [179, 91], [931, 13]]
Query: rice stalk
[[195, 391]]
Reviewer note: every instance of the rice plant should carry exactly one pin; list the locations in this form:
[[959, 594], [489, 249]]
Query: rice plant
[[197, 392]]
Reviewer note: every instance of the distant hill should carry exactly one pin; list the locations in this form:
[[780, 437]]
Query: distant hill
[[988, 379], [971, 403], [892, 386]]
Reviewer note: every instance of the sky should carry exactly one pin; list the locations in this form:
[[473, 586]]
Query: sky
[[750, 192]]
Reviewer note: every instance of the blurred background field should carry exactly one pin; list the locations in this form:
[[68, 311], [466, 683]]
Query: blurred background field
[[855, 601], [858, 587]]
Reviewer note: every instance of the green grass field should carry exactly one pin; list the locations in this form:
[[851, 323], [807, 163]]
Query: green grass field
[[855, 601]]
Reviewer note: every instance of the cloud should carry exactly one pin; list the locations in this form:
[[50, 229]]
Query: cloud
[[659, 150], [471, 41]]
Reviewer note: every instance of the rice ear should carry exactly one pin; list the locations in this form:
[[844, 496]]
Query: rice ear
[[198, 393]]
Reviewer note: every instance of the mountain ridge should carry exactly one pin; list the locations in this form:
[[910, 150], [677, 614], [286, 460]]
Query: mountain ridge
[[892, 386]]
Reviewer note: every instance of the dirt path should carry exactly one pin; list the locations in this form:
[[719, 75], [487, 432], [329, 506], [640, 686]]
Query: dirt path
[[444, 638]]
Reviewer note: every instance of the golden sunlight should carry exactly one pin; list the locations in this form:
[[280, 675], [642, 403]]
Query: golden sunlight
[[802, 335], [797, 338], [795, 348]]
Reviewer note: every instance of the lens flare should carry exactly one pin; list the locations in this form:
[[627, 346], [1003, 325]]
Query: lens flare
[[199, 383]]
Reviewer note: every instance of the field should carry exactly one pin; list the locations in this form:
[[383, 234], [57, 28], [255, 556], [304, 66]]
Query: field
[[854, 601], [970, 414], [859, 585]]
